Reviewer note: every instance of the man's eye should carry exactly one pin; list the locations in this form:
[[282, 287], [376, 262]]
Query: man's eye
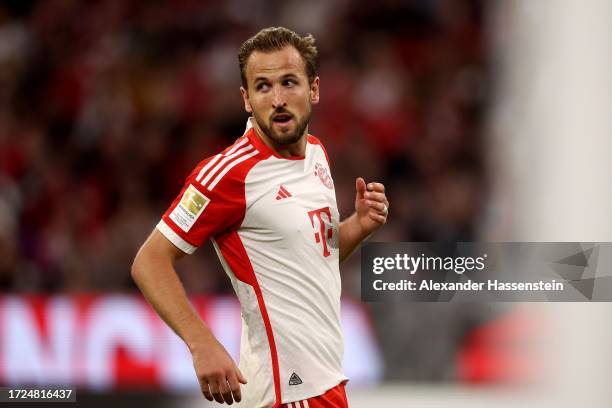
[[290, 82], [262, 87]]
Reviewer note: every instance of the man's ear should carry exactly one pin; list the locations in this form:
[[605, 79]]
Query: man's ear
[[245, 97], [314, 91]]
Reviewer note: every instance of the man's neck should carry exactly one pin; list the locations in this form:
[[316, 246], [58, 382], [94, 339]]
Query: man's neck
[[297, 149]]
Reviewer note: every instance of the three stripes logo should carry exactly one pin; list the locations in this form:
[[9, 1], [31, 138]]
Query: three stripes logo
[[218, 166], [295, 379], [282, 193]]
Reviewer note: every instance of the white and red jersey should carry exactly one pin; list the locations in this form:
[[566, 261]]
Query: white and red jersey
[[274, 223]]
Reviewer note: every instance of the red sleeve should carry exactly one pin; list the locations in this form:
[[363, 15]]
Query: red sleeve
[[206, 206]]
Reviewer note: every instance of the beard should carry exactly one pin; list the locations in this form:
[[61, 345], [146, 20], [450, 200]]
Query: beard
[[284, 138]]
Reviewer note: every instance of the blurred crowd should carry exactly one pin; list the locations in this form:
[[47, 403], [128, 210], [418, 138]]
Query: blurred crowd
[[105, 107]]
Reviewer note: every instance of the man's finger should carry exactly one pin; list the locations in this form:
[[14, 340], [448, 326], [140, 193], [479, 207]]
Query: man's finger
[[205, 390], [360, 186], [234, 387], [377, 217], [226, 392], [378, 206], [381, 197], [214, 389], [379, 187]]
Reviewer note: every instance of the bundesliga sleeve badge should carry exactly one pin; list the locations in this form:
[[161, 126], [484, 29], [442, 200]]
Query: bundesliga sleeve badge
[[190, 207]]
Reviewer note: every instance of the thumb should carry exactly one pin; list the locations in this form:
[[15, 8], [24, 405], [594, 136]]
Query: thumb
[[241, 378], [360, 186]]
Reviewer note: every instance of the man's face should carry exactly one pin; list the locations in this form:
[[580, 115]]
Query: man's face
[[279, 95]]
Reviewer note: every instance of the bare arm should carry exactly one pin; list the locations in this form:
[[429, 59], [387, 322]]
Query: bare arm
[[154, 273], [371, 211], [351, 236]]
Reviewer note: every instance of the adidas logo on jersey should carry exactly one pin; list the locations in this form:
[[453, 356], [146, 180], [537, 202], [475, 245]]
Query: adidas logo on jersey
[[295, 379], [282, 193]]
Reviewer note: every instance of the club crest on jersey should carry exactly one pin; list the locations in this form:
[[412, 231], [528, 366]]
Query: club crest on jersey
[[324, 176], [190, 207]]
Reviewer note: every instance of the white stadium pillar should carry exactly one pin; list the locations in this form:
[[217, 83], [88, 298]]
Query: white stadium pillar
[[550, 149]]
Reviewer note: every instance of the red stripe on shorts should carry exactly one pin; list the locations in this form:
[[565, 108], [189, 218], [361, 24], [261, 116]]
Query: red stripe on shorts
[[333, 398]]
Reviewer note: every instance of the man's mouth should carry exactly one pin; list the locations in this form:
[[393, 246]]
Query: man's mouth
[[282, 118]]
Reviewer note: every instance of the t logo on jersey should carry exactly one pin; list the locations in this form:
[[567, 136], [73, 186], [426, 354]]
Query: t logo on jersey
[[325, 230]]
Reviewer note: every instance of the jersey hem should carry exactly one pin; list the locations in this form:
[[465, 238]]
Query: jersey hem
[[173, 237], [317, 391]]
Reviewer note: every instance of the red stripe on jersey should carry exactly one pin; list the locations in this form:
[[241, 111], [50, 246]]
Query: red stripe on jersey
[[238, 260], [235, 255], [274, 355]]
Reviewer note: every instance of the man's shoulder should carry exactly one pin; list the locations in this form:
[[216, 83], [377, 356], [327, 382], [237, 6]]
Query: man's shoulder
[[229, 166], [313, 140]]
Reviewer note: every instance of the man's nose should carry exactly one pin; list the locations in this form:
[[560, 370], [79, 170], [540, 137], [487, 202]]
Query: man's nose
[[278, 98]]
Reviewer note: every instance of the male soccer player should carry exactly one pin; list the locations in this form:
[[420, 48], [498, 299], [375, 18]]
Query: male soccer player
[[268, 204]]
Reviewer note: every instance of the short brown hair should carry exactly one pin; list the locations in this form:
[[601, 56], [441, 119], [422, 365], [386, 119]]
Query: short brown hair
[[277, 38]]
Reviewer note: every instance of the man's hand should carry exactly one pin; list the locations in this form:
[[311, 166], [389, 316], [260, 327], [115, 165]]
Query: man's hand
[[371, 210], [217, 373], [154, 273], [371, 206]]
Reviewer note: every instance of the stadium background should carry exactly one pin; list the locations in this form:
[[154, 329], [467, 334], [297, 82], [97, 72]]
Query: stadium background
[[106, 106]]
